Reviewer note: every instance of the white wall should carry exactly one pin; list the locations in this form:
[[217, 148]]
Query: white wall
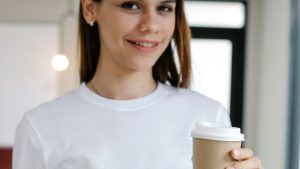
[[30, 37], [27, 78], [33, 10], [69, 79], [266, 99]]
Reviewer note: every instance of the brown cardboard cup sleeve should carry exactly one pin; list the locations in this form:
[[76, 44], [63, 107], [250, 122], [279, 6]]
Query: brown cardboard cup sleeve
[[212, 145]]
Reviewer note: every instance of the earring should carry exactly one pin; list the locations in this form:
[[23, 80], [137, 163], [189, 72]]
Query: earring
[[91, 23]]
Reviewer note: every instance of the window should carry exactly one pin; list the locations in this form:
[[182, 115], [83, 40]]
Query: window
[[215, 14], [218, 45], [211, 67]]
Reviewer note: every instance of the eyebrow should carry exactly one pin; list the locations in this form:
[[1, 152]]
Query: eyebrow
[[169, 1], [166, 1]]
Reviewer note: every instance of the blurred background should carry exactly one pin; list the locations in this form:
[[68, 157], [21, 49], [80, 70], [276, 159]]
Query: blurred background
[[244, 55]]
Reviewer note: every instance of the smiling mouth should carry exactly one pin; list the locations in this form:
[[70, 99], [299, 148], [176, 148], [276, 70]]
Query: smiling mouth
[[143, 44]]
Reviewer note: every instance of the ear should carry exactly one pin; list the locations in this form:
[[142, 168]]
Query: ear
[[89, 10]]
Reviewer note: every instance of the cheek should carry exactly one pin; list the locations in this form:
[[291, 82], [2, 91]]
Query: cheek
[[120, 27], [112, 30], [122, 22], [168, 33], [168, 28], [115, 21]]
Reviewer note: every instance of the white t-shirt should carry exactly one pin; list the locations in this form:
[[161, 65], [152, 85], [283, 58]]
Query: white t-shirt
[[82, 130]]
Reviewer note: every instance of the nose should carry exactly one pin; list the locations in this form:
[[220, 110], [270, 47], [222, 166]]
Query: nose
[[149, 22]]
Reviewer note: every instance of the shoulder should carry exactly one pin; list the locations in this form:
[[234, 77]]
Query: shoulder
[[58, 107], [189, 95], [56, 103], [199, 106]]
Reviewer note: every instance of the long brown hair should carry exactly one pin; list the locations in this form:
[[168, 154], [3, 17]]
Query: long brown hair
[[164, 70]]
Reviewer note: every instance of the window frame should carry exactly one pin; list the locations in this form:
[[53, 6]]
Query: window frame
[[293, 146]]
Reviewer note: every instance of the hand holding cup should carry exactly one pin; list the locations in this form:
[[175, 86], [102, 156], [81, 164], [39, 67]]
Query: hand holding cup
[[212, 145]]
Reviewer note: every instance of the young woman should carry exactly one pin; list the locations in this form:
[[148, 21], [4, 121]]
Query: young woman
[[132, 110]]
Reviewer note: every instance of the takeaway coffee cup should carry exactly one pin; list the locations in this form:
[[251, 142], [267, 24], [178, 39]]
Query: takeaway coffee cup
[[212, 145]]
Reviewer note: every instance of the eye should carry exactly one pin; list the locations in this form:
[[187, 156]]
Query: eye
[[165, 9], [130, 5]]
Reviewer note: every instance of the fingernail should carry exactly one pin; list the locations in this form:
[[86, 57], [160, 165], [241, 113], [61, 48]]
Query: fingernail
[[230, 167], [237, 153]]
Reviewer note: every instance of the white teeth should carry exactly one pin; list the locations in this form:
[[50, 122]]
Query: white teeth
[[145, 44]]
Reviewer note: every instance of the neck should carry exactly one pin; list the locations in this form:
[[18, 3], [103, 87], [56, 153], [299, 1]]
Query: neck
[[122, 85]]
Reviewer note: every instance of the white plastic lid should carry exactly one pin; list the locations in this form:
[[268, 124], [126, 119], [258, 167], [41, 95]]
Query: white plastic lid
[[211, 131]]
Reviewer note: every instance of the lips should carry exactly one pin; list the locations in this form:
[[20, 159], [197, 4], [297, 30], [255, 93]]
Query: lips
[[144, 43]]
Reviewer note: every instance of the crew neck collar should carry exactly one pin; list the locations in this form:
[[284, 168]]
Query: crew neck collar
[[124, 105]]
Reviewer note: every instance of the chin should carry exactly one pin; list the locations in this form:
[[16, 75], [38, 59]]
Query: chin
[[143, 64], [142, 67]]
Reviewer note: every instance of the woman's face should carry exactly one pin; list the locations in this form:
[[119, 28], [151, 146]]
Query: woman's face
[[134, 33]]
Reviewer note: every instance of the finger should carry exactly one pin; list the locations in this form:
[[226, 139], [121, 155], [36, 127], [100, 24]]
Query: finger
[[241, 154], [253, 162]]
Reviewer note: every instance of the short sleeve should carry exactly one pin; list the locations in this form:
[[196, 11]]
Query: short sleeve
[[223, 118], [27, 151]]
